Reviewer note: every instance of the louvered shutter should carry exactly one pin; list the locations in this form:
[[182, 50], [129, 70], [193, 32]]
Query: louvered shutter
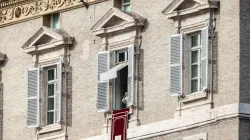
[[175, 65], [58, 92], [33, 98], [204, 58], [103, 86], [130, 75]]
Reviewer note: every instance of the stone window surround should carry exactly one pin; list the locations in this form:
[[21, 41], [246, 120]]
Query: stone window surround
[[132, 109], [201, 95], [44, 55], [116, 37], [52, 127]]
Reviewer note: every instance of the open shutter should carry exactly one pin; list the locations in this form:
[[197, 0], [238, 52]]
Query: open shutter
[[58, 92], [130, 75], [204, 58], [33, 98], [175, 64], [103, 86]]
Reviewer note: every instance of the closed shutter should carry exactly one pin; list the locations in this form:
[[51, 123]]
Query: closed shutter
[[204, 58], [103, 86], [33, 98], [130, 75], [175, 65], [58, 92]]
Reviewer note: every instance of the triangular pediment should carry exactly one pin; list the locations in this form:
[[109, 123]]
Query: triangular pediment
[[113, 21], [178, 5], [117, 18], [47, 37]]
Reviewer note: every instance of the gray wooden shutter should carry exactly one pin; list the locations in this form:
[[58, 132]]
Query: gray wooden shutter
[[58, 92], [175, 65], [130, 75], [204, 58], [103, 86], [33, 98]]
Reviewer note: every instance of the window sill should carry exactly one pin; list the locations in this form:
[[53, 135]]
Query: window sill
[[50, 128], [195, 96]]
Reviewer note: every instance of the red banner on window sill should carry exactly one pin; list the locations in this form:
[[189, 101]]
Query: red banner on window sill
[[119, 124]]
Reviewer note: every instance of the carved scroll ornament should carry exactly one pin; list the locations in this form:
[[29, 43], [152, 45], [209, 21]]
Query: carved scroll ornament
[[19, 10]]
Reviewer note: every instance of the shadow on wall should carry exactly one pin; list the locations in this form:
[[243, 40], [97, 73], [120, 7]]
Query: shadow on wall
[[69, 98], [215, 64], [141, 79], [1, 111]]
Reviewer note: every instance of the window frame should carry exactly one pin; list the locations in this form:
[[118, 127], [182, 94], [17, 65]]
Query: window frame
[[116, 81], [191, 49], [125, 4], [47, 83], [52, 20], [116, 57]]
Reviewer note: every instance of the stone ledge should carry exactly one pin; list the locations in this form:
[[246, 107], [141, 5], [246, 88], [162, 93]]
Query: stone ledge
[[183, 123], [50, 128]]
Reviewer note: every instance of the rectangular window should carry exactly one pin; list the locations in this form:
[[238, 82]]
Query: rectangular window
[[51, 86], [195, 57], [121, 56], [126, 5], [120, 72], [52, 21]]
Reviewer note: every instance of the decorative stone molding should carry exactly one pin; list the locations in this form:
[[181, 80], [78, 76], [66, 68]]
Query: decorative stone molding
[[16, 11], [189, 121], [116, 20], [118, 30], [46, 38], [185, 7]]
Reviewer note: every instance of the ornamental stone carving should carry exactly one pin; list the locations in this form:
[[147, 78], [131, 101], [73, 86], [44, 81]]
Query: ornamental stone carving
[[13, 11]]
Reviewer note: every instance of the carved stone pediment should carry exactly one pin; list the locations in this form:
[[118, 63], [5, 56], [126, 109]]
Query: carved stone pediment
[[117, 20], [186, 7], [46, 38]]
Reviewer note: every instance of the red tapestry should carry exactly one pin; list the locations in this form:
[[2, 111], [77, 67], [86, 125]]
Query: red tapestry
[[119, 124]]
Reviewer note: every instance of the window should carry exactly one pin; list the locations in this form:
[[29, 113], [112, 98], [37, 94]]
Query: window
[[120, 73], [52, 21], [126, 5], [198, 63], [195, 50], [51, 92], [121, 56], [120, 83], [51, 82]]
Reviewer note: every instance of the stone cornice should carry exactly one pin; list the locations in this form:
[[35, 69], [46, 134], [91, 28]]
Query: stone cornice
[[12, 12]]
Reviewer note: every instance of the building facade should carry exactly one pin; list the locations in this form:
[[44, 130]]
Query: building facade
[[66, 65]]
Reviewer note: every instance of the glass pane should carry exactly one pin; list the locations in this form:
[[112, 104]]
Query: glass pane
[[121, 56], [50, 117], [194, 71], [55, 21], [126, 8], [51, 89], [51, 75], [194, 41], [50, 104], [194, 85], [126, 1], [194, 56]]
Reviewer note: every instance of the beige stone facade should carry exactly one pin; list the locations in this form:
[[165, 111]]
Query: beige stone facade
[[218, 112]]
